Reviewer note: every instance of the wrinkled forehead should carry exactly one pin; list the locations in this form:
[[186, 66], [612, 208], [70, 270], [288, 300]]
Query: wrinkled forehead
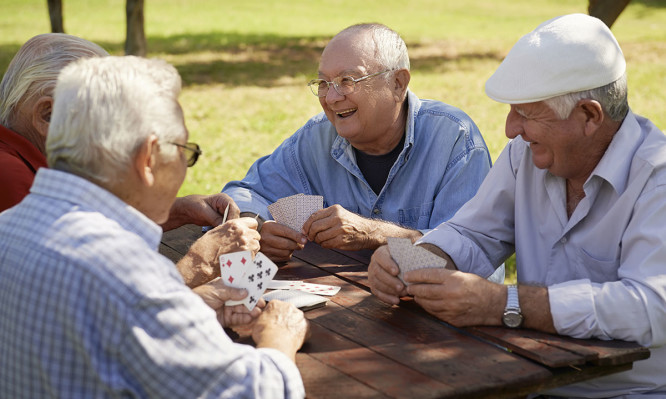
[[348, 52]]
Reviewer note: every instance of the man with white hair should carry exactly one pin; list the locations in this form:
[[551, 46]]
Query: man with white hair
[[89, 308], [577, 194], [387, 163], [26, 99]]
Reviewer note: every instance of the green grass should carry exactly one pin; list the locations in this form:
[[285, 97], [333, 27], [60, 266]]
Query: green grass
[[245, 64]]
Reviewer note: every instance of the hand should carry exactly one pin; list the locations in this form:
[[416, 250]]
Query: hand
[[462, 299], [215, 294], [383, 277], [201, 263], [279, 242], [281, 326], [202, 210], [336, 227]]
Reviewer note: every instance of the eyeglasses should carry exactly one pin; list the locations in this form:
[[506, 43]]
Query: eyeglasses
[[194, 149], [344, 85]]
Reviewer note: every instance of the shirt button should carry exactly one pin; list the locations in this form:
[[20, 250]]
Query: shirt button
[[376, 211], [563, 240]]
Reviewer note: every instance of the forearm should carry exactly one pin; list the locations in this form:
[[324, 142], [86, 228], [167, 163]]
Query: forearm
[[177, 215], [535, 306], [379, 230]]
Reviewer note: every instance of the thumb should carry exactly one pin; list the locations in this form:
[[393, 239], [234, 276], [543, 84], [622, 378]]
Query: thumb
[[236, 294]]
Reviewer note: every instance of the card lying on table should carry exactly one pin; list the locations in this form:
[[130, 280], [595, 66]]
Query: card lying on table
[[411, 257], [239, 270], [319, 289], [294, 210], [301, 300]]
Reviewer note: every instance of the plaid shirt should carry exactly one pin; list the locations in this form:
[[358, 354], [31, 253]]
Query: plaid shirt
[[89, 308]]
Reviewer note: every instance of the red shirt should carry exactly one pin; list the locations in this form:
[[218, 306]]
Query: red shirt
[[19, 161]]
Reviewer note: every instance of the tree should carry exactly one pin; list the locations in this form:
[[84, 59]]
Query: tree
[[135, 41], [607, 10], [55, 15]]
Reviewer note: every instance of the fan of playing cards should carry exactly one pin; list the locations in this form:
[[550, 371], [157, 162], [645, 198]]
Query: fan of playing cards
[[293, 211], [239, 270], [411, 257]]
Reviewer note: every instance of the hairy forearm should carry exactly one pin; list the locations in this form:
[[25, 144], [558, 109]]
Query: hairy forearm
[[379, 230]]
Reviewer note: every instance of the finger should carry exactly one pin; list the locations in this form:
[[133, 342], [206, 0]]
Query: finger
[[250, 223], [236, 294], [428, 275], [318, 215]]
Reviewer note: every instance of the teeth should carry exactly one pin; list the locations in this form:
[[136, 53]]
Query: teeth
[[346, 111]]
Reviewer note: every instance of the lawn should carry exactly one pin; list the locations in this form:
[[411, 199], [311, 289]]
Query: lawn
[[245, 64]]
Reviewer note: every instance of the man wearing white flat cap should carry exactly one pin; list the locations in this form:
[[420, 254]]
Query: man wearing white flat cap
[[579, 194]]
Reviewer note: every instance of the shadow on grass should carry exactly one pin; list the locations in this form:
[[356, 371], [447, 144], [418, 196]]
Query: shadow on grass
[[237, 59]]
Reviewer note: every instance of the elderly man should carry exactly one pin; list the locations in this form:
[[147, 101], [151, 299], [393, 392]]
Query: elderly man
[[578, 194], [88, 306], [387, 163], [26, 99]]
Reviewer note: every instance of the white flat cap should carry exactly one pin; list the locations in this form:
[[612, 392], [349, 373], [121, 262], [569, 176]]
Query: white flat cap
[[563, 55]]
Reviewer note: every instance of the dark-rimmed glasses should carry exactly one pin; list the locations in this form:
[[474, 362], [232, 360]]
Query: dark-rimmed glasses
[[194, 152], [344, 85]]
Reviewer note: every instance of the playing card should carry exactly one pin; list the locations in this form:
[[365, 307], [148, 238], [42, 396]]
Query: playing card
[[283, 284], [239, 270], [302, 300], [319, 289], [411, 257], [294, 211]]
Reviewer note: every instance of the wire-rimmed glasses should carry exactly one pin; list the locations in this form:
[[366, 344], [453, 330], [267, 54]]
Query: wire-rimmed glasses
[[344, 85], [194, 152]]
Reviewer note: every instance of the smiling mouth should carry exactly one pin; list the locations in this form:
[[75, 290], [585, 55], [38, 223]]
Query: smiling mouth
[[346, 113]]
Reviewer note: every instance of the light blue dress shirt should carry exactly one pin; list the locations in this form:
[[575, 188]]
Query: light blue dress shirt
[[442, 164], [605, 267], [90, 309]]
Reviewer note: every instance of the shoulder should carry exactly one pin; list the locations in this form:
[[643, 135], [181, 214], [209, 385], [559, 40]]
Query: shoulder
[[439, 112]]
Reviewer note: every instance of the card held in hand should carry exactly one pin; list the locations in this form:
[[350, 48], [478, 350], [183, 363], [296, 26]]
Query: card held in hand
[[239, 270], [294, 210], [411, 257]]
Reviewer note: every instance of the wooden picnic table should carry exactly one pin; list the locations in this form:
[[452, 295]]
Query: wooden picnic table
[[361, 347]]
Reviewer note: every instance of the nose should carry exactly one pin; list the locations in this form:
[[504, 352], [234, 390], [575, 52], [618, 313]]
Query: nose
[[513, 127], [333, 96]]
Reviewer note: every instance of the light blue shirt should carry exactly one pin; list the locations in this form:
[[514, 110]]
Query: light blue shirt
[[605, 267], [90, 309], [442, 164]]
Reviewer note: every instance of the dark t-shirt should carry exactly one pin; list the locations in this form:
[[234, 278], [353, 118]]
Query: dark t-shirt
[[376, 168]]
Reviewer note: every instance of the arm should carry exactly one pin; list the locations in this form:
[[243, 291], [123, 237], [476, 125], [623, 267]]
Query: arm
[[202, 210], [336, 227]]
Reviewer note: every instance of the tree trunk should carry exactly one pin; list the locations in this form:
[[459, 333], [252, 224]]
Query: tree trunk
[[55, 15], [135, 42], [607, 10]]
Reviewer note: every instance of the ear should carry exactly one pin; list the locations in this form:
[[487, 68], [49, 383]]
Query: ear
[[145, 160], [41, 115], [593, 115], [400, 82]]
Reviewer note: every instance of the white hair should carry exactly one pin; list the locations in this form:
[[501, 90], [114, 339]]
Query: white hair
[[612, 97], [105, 108], [35, 67], [390, 49]]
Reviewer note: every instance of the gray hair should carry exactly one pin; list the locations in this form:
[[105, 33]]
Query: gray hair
[[612, 97], [105, 108], [390, 49], [35, 67]]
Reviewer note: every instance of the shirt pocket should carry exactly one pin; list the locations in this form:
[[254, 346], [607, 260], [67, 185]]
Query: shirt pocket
[[597, 270], [417, 217]]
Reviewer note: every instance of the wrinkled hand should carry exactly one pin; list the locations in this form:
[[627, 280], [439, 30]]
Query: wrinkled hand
[[201, 263], [202, 210], [215, 294], [281, 326], [462, 299], [279, 242], [383, 277], [336, 227]]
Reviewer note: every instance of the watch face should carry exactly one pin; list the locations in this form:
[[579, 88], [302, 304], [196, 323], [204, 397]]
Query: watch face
[[512, 319]]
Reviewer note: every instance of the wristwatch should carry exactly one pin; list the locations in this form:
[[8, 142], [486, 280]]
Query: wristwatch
[[512, 316]]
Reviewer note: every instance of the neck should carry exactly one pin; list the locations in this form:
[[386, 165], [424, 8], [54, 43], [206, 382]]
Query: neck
[[27, 131]]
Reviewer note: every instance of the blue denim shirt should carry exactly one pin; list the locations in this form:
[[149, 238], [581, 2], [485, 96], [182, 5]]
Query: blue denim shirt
[[442, 164]]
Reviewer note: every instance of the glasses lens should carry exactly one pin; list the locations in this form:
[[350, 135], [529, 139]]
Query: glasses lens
[[195, 151], [319, 87], [345, 85]]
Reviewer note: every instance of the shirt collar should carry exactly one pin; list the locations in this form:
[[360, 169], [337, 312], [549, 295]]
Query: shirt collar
[[90, 197], [24, 148], [614, 166]]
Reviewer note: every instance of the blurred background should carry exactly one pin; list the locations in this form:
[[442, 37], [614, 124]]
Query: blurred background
[[245, 64]]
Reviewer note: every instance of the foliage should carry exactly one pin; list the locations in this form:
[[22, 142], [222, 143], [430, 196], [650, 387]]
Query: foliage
[[245, 64]]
